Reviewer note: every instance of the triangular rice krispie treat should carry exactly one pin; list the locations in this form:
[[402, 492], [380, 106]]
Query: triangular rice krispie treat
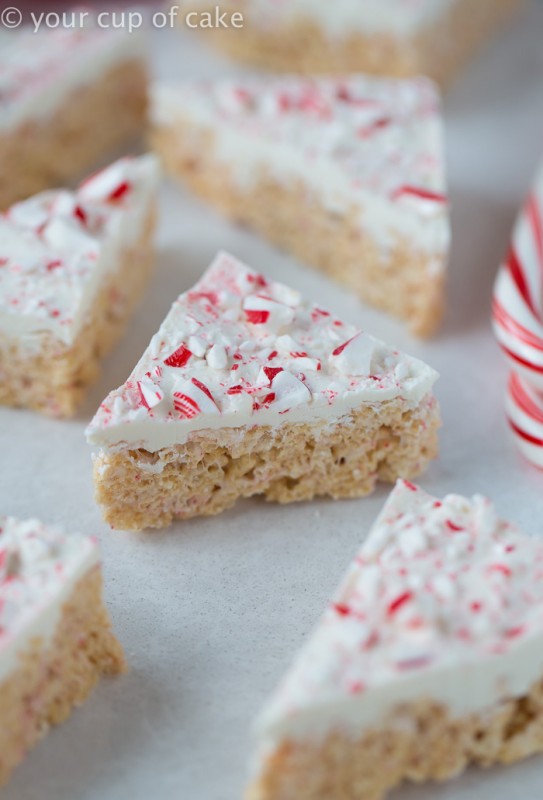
[[429, 658], [69, 98], [346, 173], [246, 389], [73, 265], [55, 633]]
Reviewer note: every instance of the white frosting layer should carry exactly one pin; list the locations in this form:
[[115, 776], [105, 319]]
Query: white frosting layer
[[57, 247], [241, 350], [39, 567], [38, 71], [444, 601], [370, 146]]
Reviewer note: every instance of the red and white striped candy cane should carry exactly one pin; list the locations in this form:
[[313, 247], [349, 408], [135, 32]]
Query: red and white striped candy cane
[[524, 408], [518, 324]]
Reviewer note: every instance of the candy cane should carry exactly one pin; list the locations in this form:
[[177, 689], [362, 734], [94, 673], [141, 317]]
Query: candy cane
[[518, 324], [524, 408]]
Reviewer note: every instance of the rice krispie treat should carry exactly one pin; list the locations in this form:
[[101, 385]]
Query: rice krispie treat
[[248, 390], [430, 658], [385, 37], [347, 174], [73, 266], [55, 633], [68, 99]]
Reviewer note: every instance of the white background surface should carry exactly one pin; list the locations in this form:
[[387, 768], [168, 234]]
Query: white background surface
[[212, 611]]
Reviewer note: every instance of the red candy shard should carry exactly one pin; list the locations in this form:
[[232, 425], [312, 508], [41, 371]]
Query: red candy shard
[[373, 127], [81, 214], [512, 633], [203, 388], [271, 372], [120, 191], [256, 317], [264, 402], [503, 568], [258, 280], [342, 347], [211, 297], [186, 406], [179, 357], [143, 401], [418, 191], [398, 602], [319, 312]]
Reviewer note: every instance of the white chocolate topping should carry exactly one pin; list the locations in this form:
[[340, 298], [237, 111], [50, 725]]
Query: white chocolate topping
[[241, 350], [39, 71], [443, 602], [39, 567], [368, 147], [57, 247]]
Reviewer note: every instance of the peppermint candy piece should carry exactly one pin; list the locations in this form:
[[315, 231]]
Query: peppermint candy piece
[[217, 357], [150, 393], [272, 315], [65, 235], [289, 391], [65, 203], [286, 344], [193, 397], [110, 185], [353, 357], [303, 362], [32, 213], [238, 401], [179, 357], [266, 375], [198, 346]]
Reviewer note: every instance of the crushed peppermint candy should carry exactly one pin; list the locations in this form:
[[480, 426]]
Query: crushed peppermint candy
[[56, 246], [436, 586], [378, 135], [34, 80], [241, 349], [38, 564]]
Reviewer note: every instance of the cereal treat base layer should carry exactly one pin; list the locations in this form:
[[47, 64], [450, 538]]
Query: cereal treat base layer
[[425, 743], [50, 682], [46, 375], [302, 46], [138, 489], [404, 281], [89, 127]]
